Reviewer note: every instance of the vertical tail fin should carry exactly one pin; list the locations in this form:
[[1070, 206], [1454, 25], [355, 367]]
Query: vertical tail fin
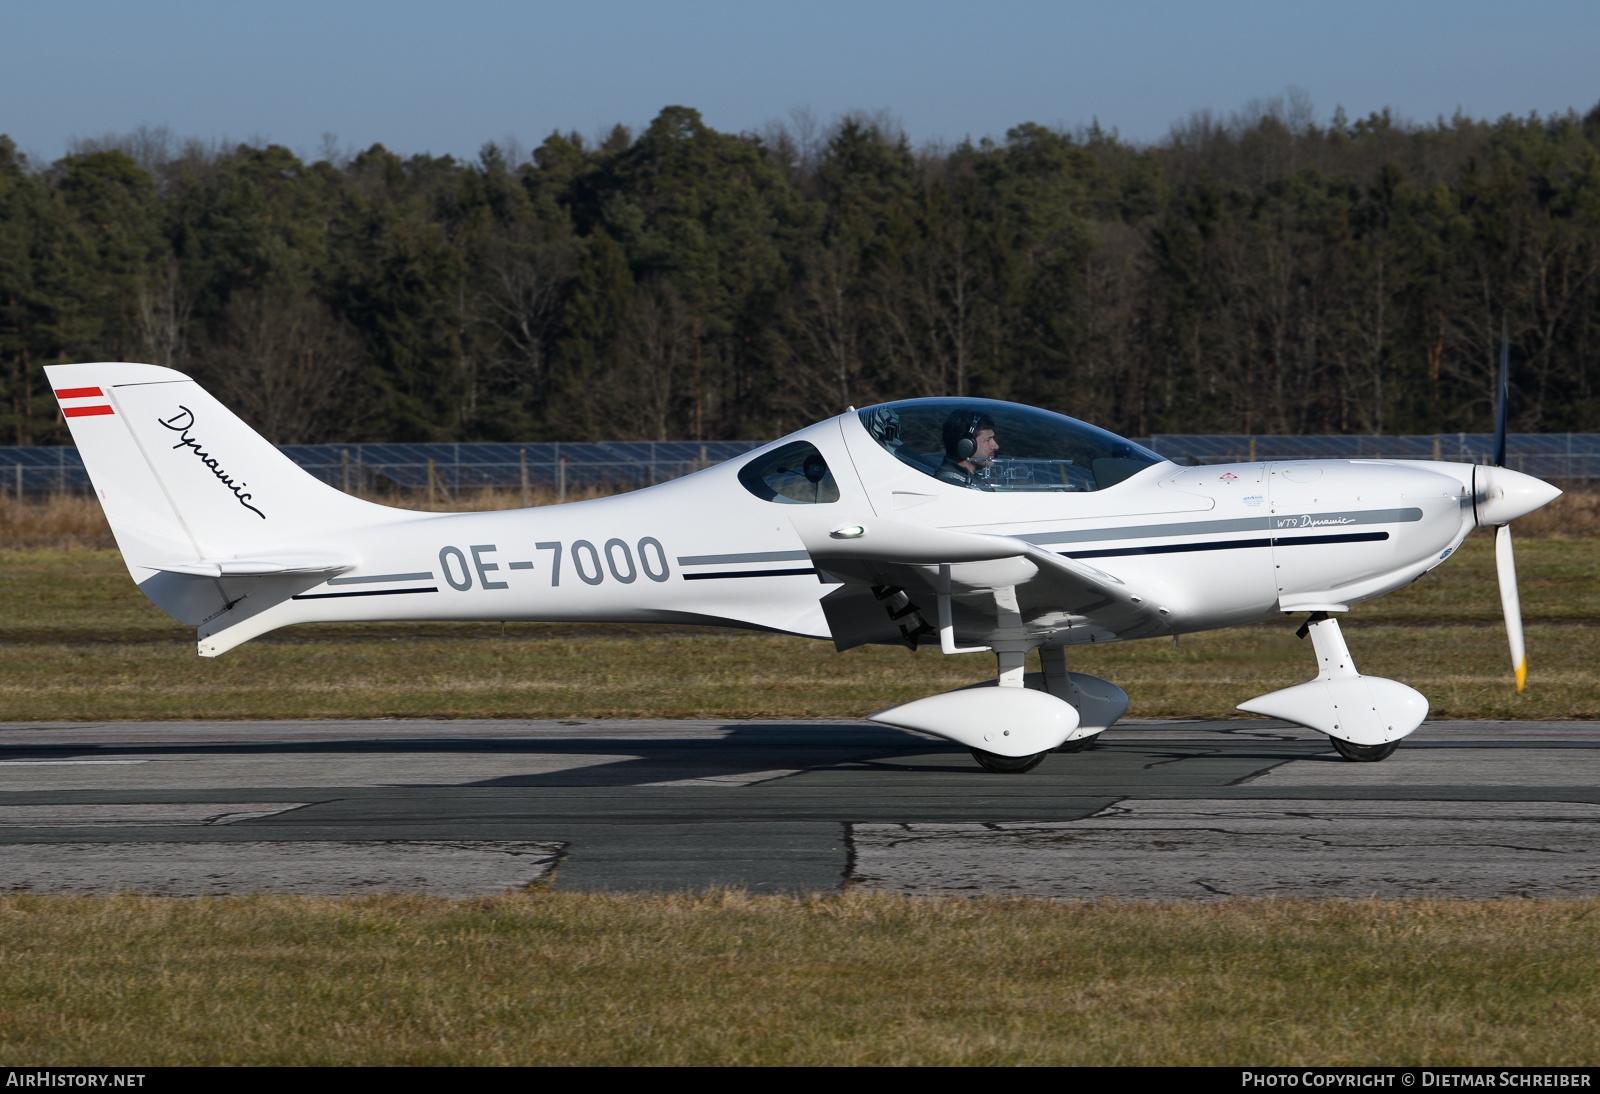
[[193, 494]]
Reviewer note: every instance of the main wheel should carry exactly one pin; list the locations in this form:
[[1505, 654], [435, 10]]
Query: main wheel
[[1079, 745], [1367, 754], [1007, 765]]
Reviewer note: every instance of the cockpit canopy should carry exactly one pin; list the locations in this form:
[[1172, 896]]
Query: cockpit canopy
[[1038, 450]]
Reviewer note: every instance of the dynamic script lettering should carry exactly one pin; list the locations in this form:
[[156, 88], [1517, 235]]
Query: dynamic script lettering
[[1305, 520], [181, 423]]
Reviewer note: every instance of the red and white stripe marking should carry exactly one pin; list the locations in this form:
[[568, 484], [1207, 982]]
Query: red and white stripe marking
[[80, 407]]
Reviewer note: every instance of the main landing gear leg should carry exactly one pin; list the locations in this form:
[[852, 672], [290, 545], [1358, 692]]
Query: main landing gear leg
[[1058, 682], [1009, 664]]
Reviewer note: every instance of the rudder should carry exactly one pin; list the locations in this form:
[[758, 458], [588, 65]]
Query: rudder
[[193, 494]]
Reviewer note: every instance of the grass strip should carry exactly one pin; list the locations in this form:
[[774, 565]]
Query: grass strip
[[87, 596], [1464, 671], [549, 977], [82, 643]]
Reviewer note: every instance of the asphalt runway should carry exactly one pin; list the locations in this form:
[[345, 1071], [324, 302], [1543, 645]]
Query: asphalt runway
[[1156, 810]]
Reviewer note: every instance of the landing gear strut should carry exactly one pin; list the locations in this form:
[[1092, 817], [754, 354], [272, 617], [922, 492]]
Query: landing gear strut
[[1014, 727], [1364, 716]]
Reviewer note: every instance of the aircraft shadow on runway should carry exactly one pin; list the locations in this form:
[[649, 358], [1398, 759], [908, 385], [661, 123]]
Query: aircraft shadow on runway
[[734, 754]]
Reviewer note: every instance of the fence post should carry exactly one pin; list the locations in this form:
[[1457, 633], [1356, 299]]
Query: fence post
[[344, 467], [1436, 455], [1252, 450], [562, 465], [522, 461], [19, 484], [430, 480]]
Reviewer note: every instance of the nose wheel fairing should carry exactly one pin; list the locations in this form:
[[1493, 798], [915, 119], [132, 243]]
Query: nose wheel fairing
[[1362, 710]]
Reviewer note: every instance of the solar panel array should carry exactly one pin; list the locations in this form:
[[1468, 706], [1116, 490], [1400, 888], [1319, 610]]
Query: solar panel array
[[1569, 457], [450, 468], [454, 468]]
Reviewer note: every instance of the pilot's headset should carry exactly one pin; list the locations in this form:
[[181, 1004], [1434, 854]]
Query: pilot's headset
[[967, 441]]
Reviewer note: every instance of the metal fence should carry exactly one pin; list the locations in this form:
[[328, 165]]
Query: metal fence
[[454, 468], [447, 468], [1572, 457]]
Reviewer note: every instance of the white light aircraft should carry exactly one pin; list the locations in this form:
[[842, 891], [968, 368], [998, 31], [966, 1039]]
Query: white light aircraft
[[960, 524]]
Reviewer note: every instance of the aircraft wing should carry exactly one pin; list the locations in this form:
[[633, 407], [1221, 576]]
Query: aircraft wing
[[998, 586]]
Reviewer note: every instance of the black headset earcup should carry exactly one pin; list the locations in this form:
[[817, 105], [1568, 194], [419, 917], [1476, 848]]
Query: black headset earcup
[[968, 444]]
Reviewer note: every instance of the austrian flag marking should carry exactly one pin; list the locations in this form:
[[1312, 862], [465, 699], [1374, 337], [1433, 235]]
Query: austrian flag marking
[[82, 410]]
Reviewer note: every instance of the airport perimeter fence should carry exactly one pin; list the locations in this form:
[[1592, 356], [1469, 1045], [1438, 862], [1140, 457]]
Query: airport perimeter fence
[[449, 469], [1567, 457], [453, 469]]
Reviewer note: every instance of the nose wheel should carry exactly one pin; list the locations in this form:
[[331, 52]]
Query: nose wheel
[[1007, 765], [1367, 754]]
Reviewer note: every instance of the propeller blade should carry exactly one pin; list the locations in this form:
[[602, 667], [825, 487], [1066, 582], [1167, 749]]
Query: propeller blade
[[1505, 561], [1500, 403], [1506, 564]]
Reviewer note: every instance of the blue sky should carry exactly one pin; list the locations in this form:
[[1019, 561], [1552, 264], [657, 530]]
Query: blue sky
[[445, 78]]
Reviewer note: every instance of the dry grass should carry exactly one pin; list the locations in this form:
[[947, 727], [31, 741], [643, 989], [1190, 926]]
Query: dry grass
[[1463, 670], [80, 642], [55, 522], [488, 498], [75, 521], [552, 977], [1574, 513]]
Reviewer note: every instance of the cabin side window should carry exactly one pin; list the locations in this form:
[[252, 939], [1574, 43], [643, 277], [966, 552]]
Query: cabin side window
[[795, 474]]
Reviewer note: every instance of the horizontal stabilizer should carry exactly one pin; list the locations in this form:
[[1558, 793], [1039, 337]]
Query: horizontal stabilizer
[[1006, 721], [259, 567]]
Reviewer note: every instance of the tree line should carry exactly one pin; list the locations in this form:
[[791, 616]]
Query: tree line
[[1261, 273]]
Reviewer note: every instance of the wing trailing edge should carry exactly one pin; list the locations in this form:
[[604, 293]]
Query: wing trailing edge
[[990, 578]]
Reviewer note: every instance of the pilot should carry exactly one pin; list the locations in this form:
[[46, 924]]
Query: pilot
[[969, 447]]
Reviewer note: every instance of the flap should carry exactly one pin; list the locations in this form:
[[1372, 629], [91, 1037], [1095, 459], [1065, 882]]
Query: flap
[[1052, 593]]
